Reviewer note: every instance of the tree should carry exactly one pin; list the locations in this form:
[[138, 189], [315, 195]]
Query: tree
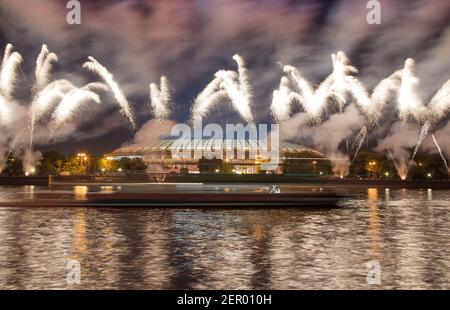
[[51, 163], [131, 164], [373, 165], [306, 163], [106, 164], [76, 165], [13, 167], [427, 167], [210, 165]]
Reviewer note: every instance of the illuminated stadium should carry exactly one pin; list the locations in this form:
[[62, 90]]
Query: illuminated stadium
[[239, 156]]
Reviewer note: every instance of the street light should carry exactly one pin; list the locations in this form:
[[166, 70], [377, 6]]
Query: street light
[[372, 165], [314, 166], [81, 157]]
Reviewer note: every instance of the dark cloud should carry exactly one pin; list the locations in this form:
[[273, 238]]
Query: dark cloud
[[189, 40]]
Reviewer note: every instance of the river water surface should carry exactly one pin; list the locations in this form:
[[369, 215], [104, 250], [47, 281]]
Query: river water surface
[[405, 232]]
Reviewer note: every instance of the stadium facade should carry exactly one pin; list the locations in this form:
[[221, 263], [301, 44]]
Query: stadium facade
[[240, 156]]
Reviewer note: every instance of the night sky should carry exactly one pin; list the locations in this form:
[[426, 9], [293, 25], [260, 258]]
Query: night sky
[[189, 40]]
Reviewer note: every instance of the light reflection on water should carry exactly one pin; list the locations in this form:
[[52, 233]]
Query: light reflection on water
[[407, 231]]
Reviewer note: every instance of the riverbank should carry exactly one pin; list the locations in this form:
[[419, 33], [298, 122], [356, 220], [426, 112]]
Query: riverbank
[[217, 178]]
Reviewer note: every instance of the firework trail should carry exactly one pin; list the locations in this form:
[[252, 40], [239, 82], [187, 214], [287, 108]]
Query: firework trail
[[44, 66], [239, 98], [227, 84], [45, 95], [244, 83], [342, 69], [73, 102], [8, 51], [207, 98], [400, 171], [440, 152], [46, 100], [409, 102], [423, 133], [5, 111], [94, 66], [440, 103], [313, 102], [8, 79], [161, 99], [371, 105], [282, 99], [359, 140], [9, 72]]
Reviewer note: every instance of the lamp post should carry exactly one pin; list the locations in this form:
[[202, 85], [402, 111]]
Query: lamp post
[[314, 167], [82, 157], [372, 165]]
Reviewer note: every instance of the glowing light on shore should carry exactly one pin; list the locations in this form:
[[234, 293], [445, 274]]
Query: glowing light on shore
[[94, 66]]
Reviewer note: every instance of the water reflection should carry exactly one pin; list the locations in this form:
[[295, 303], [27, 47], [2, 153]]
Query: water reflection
[[106, 189], [80, 192], [79, 242], [429, 194], [138, 248], [374, 225]]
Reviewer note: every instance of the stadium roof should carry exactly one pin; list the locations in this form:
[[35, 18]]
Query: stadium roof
[[166, 145]]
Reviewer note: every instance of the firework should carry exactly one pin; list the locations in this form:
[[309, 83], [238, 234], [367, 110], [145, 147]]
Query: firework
[[161, 99], [125, 108]]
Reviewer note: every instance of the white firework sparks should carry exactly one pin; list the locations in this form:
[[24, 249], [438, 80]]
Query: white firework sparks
[[44, 66], [227, 84], [440, 103], [207, 98], [239, 98], [161, 99], [48, 98], [9, 72], [409, 103], [125, 108], [282, 100], [73, 102], [8, 79]]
